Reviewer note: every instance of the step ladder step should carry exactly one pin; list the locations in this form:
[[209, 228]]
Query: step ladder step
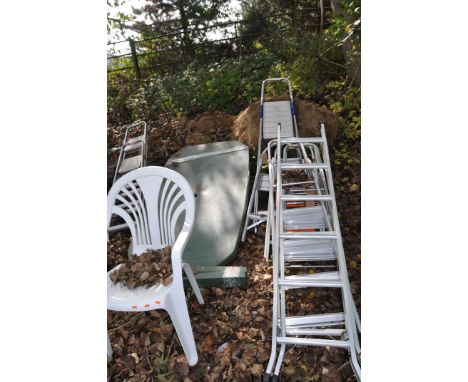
[[140, 138], [319, 280], [312, 235], [305, 217], [129, 164], [133, 147], [315, 332], [302, 140], [314, 198], [264, 183], [303, 166], [308, 250], [313, 342], [315, 320], [329, 256]]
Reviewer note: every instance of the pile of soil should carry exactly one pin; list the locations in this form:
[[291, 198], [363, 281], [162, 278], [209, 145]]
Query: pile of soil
[[208, 128], [145, 270], [309, 116], [167, 134]]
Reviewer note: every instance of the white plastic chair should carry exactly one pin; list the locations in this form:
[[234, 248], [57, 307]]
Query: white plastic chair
[[159, 207]]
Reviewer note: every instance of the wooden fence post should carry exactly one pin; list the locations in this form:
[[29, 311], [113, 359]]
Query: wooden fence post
[[135, 58]]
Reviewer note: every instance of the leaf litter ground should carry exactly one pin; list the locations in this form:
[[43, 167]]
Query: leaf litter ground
[[233, 329]]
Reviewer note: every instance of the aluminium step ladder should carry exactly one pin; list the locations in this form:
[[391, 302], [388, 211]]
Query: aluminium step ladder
[[296, 254], [272, 113], [132, 155]]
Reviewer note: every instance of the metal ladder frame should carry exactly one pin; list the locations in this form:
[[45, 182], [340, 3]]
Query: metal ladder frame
[[252, 209], [350, 318], [131, 145]]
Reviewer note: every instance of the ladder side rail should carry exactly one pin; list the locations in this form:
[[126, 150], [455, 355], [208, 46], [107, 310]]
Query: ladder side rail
[[346, 290], [251, 200], [279, 218], [121, 155], [320, 181], [275, 232], [271, 225], [318, 177], [145, 145], [279, 208], [324, 180]]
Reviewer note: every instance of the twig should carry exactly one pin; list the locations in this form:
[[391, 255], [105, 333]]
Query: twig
[[147, 359], [346, 363], [331, 62], [170, 346], [126, 323]]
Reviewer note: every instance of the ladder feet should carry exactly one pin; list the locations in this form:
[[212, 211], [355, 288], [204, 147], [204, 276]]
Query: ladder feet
[[266, 377]]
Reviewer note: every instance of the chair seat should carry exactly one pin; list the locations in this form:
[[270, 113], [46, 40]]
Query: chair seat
[[121, 298]]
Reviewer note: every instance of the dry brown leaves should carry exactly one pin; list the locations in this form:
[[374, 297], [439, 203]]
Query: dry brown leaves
[[233, 329], [232, 333], [148, 269], [117, 248]]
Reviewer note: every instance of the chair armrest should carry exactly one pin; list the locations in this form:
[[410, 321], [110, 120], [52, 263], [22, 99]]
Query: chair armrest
[[178, 250]]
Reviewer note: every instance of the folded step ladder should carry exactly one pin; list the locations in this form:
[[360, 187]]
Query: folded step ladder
[[132, 155], [133, 150], [296, 254], [271, 113]]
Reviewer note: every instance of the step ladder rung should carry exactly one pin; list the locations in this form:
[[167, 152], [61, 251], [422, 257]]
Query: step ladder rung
[[313, 342], [314, 332], [315, 198], [322, 279], [130, 163], [301, 245], [313, 320], [310, 257], [304, 166], [302, 140], [309, 235]]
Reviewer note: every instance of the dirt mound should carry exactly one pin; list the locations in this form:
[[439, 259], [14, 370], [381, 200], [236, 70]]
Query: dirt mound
[[167, 135], [208, 128], [310, 115]]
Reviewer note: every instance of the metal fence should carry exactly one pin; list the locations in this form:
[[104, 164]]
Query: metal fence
[[170, 50]]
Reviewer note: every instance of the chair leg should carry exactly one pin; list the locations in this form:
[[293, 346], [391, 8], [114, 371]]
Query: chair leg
[[177, 309], [193, 282], [109, 347]]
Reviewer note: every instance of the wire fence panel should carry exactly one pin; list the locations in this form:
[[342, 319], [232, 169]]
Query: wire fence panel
[[187, 46]]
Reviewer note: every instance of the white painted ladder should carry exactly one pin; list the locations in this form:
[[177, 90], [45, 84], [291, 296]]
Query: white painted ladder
[[307, 256]]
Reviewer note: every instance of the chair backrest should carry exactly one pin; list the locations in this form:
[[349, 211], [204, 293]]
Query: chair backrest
[[155, 202]]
